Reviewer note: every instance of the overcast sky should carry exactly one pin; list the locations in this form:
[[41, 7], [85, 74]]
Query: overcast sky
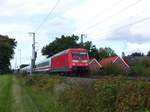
[[122, 25]]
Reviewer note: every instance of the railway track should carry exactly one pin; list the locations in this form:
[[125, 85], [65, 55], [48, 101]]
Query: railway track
[[88, 77]]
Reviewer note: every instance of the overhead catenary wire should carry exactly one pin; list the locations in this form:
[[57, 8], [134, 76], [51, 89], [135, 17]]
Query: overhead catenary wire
[[136, 14], [131, 24], [113, 5], [113, 15], [49, 14]]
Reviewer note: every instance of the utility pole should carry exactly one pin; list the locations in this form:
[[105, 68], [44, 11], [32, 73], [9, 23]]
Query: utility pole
[[33, 52], [82, 36], [16, 63]]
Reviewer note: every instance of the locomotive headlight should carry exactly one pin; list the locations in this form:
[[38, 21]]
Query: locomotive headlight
[[73, 64], [86, 64]]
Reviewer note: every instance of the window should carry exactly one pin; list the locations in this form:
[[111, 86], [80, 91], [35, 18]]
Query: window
[[79, 55]]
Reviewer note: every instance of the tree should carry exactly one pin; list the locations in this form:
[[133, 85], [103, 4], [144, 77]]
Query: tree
[[148, 54], [106, 52], [92, 50], [60, 44], [137, 54], [65, 42], [7, 46]]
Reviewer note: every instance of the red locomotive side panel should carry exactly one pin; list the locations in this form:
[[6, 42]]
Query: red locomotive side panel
[[59, 62]]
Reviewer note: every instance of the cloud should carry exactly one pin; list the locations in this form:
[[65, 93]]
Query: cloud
[[25, 7], [89, 13], [127, 35]]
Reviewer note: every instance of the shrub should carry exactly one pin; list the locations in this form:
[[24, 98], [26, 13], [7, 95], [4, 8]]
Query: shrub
[[111, 95], [77, 98], [136, 70], [122, 96], [113, 70], [110, 70], [146, 63], [105, 97], [133, 97], [99, 72], [140, 68], [51, 83]]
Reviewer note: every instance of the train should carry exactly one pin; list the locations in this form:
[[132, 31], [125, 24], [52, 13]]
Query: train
[[72, 60]]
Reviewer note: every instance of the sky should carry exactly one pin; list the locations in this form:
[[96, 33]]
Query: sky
[[122, 25]]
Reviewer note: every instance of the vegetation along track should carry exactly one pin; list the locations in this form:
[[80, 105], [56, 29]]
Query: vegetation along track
[[89, 77], [5, 92], [22, 102]]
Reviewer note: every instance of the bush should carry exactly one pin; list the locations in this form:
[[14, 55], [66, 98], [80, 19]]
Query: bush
[[112, 70], [122, 96], [136, 70], [111, 95], [77, 98], [105, 97], [146, 63], [133, 97], [140, 68]]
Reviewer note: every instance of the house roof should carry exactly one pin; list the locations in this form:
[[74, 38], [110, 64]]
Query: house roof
[[108, 60], [92, 60]]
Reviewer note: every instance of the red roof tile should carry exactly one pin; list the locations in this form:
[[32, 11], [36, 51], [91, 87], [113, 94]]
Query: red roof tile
[[108, 60]]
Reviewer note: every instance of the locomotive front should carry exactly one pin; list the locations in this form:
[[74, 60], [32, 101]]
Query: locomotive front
[[80, 60]]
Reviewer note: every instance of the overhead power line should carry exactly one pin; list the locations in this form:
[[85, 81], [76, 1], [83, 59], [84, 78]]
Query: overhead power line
[[116, 14], [131, 24], [136, 14], [113, 5], [49, 14]]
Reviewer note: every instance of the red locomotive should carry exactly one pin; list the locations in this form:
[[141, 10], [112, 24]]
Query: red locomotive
[[72, 60]]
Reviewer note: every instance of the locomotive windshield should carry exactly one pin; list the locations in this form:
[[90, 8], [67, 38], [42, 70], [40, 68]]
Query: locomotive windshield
[[77, 55]]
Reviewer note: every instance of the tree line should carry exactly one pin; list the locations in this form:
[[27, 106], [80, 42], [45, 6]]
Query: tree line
[[65, 42], [7, 46]]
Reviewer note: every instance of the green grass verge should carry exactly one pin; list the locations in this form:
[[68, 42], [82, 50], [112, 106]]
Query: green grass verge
[[22, 102], [43, 100], [5, 93]]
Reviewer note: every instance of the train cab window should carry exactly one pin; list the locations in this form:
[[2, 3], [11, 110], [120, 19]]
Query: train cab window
[[79, 55]]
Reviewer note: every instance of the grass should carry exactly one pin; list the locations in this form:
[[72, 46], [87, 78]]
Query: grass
[[15, 96], [5, 93], [38, 94], [22, 102], [44, 101], [113, 95]]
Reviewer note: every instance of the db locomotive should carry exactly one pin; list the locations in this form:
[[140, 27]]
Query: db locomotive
[[72, 60]]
